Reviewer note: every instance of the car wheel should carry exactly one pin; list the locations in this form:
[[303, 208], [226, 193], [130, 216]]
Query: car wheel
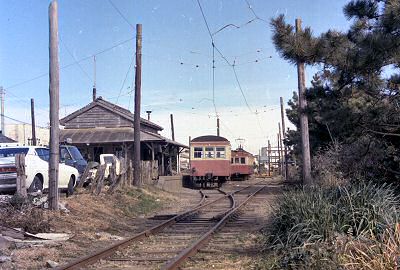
[[70, 189], [37, 185]]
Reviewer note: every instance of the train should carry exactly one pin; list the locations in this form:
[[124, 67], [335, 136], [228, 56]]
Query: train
[[242, 164], [213, 162]]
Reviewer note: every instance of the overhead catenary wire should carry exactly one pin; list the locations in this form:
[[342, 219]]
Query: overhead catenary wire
[[121, 14], [126, 76]]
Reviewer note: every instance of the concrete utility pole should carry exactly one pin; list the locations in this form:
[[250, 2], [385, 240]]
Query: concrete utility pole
[[284, 137], [172, 127], [33, 121], [2, 110], [138, 86], [54, 106], [305, 140], [218, 126]]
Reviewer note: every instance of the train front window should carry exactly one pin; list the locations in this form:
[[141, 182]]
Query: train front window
[[236, 160], [220, 152], [242, 160], [198, 152], [209, 152]]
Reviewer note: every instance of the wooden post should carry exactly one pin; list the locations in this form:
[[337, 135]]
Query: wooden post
[[283, 138], [279, 155], [152, 151], [33, 121], [54, 106], [218, 126], [2, 111], [138, 83], [172, 127], [305, 140], [21, 176]]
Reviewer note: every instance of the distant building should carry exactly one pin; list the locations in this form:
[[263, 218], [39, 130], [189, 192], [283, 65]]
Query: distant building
[[6, 141], [22, 134]]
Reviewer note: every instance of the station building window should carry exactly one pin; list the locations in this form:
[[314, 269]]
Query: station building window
[[220, 152], [209, 152], [198, 152]]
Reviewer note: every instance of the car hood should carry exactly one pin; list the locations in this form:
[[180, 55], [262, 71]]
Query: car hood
[[7, 160]]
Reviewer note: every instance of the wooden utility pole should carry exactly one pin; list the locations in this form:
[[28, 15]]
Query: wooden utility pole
[[138, 85], [190, 154], [269, 158], [94, 79], [54, 106], [172, 127], [305, 140], [283, 139], [217, 126], [2, 110], [281, 153], [33, 121]]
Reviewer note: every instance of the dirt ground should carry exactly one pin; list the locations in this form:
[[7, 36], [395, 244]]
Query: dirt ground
[[92, 222]]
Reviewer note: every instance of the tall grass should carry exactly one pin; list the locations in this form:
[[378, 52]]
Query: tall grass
[[315, 214]]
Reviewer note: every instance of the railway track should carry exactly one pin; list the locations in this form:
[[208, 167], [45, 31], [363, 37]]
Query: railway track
[[168, 244]]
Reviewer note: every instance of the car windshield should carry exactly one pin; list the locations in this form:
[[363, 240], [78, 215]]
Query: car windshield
[[11, 152], [76, 155]]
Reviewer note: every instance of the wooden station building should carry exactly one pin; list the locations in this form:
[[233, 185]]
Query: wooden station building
[[102, 127]]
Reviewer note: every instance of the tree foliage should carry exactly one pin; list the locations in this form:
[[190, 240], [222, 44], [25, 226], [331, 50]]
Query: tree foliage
[[354, 97]]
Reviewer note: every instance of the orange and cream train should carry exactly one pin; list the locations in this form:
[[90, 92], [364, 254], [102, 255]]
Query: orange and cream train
[[212, 161]]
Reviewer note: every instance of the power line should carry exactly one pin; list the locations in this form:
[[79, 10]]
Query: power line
[[71, 64], [22, 122], [121, 14]]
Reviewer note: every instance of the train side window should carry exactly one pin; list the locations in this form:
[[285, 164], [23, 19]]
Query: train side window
[[237, 160], [198, 152], [220, 152], [242, 160], [209, 152], [231, 160]]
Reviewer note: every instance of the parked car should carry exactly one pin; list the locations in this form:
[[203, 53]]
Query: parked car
[[71, 156], [36, 170]]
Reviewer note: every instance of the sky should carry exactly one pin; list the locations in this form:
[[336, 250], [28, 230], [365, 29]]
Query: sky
[[177, 76]]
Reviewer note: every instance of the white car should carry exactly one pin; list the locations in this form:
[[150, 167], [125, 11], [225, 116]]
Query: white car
[[36, 170]]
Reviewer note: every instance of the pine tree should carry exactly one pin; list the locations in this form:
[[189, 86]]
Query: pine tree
[[354, 97]]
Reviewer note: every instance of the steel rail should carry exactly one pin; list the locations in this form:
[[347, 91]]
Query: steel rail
[[107, 251], [181, 257]]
